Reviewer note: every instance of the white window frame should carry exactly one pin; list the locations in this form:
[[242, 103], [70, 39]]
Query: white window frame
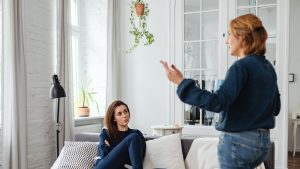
[[77, 73], [1, 69], [1, 82]]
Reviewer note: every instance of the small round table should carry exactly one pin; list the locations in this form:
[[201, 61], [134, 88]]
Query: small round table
[[162, 130], [296, 123]]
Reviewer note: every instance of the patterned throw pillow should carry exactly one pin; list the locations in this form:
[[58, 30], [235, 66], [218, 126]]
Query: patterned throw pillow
[[78, 155]]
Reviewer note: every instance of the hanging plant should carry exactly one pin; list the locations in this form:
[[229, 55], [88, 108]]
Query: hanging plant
[[139, 9]]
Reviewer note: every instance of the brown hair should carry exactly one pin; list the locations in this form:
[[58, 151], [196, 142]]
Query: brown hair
[[249, 27], [109, 119]]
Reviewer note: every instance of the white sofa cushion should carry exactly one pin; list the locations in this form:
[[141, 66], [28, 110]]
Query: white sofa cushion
[[77, 155], [164, 152], [203, 154]]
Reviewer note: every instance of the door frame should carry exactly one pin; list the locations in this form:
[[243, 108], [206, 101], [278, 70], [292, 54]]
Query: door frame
[[283, 72]]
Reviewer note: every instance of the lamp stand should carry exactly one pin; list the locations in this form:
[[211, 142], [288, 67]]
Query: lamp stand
[[58, 125]]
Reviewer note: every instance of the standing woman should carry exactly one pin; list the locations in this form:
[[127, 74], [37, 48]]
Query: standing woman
[[120, 145], [247, 101]]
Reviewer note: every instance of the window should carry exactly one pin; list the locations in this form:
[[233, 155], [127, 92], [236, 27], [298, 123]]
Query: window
[[266, 10], [89, 54]]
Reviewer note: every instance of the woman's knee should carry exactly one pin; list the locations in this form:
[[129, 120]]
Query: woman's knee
[[133, 136], [100, 165]]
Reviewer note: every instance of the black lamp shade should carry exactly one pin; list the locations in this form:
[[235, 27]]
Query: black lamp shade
[[56, 90]]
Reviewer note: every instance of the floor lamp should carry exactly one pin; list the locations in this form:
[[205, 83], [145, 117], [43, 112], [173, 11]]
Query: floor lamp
[[56, 92]]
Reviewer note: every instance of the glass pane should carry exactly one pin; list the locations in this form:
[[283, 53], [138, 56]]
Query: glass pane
[[209, 55], [191, 5], [210, 4], [246, 11], [268, 17], [192, 74], [192, 55], [246, 3], [260, 2], [210, 22], [75, 59], [192, 27], [208, 79], [187, 114], [271, 50], [191, 115], [74, 12]]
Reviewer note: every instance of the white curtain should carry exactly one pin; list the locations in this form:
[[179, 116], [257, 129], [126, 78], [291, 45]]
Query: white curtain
[[14, 87], [112, 52], [64, 70]]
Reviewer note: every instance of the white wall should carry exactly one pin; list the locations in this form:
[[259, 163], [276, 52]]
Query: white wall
[[40, 39], [143, 83], [294, 88]]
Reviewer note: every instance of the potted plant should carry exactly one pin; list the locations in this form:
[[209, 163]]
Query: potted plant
[[86, 97], [139, 10]]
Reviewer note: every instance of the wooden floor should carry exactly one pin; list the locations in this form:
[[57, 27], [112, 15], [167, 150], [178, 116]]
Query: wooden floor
[[294, 162]]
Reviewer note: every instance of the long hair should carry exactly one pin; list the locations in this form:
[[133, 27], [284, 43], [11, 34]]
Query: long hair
[[109, 119], [252, 32]]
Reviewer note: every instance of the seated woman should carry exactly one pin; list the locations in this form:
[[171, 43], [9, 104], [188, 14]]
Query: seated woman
[[120, 145]]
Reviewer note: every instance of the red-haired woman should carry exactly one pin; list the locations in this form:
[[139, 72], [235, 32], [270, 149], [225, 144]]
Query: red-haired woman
[[120, 145], [247, 101]]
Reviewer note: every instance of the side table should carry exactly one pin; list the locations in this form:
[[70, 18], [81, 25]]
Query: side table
[[162, 130], [296, 123]]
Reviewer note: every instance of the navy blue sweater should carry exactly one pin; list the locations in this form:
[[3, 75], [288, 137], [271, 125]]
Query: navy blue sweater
[[248, 99], [104, 149]]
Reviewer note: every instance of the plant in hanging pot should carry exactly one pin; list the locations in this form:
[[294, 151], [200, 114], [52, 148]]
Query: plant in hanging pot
[[86, 99], [139, 10]]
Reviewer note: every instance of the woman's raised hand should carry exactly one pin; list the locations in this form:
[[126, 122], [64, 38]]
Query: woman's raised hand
[[174, 75]]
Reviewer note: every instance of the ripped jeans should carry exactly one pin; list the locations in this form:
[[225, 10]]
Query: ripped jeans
[[243, 150]]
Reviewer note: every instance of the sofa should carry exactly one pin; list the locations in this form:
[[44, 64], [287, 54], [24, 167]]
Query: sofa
[[186, 143]]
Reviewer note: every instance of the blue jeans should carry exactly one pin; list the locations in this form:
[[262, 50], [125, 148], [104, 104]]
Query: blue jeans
[[243, 150], [128, 151]]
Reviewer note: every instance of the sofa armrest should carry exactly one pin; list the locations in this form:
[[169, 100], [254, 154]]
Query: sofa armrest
[[269, 162], [90, 137]]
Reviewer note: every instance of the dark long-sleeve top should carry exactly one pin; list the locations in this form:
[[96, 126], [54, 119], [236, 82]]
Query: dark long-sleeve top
[[248, 99], [104, 149]]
